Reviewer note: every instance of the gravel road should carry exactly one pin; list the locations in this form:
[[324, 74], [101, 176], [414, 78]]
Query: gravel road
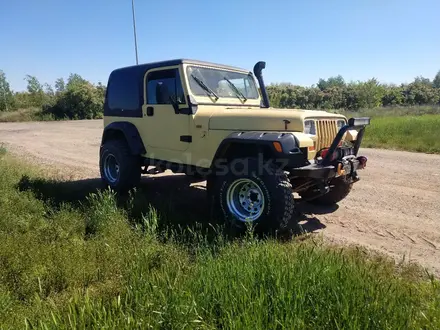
[[395, 208]]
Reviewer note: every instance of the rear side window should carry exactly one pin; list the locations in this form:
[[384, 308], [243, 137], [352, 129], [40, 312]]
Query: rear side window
[[165, 86], [123, 91]]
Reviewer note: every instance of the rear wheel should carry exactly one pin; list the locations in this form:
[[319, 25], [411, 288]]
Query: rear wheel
[[246, 195], [119, 168]]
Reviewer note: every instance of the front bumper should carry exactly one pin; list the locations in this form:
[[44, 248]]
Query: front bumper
[[338, 161], [346, 166]]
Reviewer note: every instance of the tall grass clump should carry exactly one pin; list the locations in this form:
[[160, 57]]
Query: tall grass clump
[[411, 133], [25, 115], [100, 264], [2, 150]]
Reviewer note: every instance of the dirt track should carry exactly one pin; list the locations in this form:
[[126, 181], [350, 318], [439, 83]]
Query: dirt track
[[395, 208]]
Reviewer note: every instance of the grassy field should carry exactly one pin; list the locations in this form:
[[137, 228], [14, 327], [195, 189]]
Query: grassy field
[[23, 115], [72, 256], [410, 129], [410, 133]]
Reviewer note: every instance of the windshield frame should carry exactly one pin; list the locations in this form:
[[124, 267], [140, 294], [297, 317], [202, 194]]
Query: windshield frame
[[222, 100]]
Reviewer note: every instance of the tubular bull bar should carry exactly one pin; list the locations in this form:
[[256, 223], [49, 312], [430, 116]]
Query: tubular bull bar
[[335, 163]]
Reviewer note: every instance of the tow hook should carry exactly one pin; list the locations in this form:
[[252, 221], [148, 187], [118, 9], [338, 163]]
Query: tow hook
[[340, 169], [323, 189], [355, 177], [362, 162]]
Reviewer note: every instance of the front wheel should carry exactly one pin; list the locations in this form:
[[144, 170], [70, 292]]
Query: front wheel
[[246, 194]]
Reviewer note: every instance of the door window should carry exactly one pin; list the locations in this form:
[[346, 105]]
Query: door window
[[165, 87]]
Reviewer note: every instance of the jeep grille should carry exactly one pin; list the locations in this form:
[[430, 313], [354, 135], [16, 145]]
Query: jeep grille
[[326, 130]]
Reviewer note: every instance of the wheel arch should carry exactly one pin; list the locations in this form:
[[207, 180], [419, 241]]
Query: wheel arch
[[126, 131], [251, 144]]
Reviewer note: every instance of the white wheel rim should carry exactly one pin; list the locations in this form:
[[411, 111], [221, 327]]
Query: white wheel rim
[[245, 200], [111, 168]]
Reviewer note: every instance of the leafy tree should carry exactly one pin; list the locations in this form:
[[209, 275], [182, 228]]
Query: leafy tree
[[36, 91], [101, 89], [75, 80], [419, 93], [6, 97], [314, 98], [79, 101], [436, 81], [33, 85], [422, 80], [393, 95], [337, 81], [22, 100], [60, 85], [370, 94], [333, 98], [48, 90], [335, 93]]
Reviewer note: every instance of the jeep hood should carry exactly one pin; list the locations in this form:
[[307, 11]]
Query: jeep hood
[[265, 119]]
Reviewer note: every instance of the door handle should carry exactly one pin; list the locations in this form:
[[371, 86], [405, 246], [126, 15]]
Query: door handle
[[150, 111]]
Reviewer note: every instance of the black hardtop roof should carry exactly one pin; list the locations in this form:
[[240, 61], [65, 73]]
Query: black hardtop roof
[[125, 85], [142, 68]]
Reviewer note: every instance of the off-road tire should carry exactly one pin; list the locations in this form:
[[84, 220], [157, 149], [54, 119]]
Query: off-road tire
[[339, 189], [279, 205], [129, 165]]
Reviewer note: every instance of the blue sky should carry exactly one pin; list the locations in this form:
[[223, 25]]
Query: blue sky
[[301, 40]]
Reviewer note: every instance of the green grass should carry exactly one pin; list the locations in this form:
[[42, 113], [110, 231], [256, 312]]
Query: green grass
[[410, 133], [24, 115], [74, 256], [406, 128]]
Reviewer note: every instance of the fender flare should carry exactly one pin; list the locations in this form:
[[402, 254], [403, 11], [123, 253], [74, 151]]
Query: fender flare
[[289, 144], [130, 133]]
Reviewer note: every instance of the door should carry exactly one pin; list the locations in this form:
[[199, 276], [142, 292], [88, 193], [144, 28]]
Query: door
[[163, 126]]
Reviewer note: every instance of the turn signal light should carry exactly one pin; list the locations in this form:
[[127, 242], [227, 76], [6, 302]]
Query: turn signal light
[[277, 146]]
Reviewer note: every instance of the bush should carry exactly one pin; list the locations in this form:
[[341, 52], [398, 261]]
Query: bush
[[334, 93], [78, 101], [23, 115], [419, 93]]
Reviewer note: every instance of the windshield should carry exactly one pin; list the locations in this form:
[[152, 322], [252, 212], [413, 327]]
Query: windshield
[[221, 83]]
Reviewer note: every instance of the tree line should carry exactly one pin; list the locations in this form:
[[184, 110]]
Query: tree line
[[72, 98], [77, 98], [335, 93]]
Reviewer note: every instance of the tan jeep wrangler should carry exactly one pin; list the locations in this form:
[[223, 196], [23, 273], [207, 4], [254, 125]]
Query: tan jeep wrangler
[[208, 120]]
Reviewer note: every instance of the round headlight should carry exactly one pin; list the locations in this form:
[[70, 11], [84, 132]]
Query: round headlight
[[340, 123], [310, 127]]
